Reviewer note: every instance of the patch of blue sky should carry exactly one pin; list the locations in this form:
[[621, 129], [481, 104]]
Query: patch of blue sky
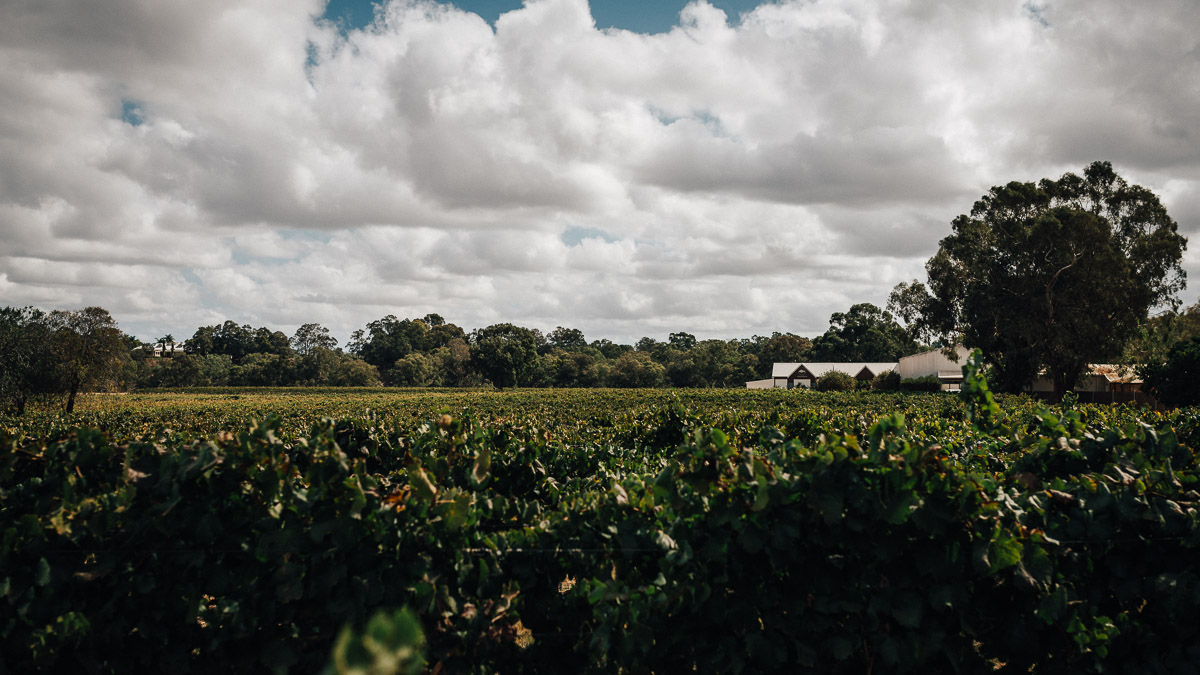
[[702, 116], [574, 236], [132, 113], [639, 16]]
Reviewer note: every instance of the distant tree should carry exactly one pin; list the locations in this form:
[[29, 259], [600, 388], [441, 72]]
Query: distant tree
[[564, 368], [865, 333], [719, 363], [636, 369], [385, 341], [567, 338], [312, 336], [188, 370], [234, 340], [502, 352], [682, 341], [610, 349], [442, 335], [1158, 334], [238, 342], [836, 380], [203, 341], [1051, 276], [646, 344], [454, 364], [433, 320], [267, 341], [89, 350], [353, 372], [782, 348], [27, 363], [415, 370], [168, 344], [1176, 382], [262, 369]]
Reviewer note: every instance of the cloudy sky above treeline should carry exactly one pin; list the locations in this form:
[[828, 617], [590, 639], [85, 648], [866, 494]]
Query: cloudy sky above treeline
[[730, 170]]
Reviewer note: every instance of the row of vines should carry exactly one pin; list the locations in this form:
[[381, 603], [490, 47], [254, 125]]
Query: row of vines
[[593, 531]]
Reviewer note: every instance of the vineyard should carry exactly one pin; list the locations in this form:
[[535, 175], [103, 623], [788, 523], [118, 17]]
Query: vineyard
[[642, 531]]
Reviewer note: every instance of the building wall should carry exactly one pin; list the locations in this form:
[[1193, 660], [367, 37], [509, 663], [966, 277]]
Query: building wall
[[929, 363]]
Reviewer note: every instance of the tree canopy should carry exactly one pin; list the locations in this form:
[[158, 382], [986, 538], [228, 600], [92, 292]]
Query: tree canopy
[[89, 349], [310, 337], [502, 353], [26, 362], [865, 333], [1050, 276], [1177, 381]]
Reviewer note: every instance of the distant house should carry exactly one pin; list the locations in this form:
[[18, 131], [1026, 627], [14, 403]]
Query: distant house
[[161, 349], [1102, 383], [933, 362], [792, 375]]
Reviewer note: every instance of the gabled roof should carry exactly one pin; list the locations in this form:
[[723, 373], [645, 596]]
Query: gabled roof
[[878, 368], [783, 369], [818, 369]]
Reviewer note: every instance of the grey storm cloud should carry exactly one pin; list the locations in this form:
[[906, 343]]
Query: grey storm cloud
[[181, 163]]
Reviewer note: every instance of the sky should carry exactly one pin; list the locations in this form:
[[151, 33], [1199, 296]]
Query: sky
[[626, 168]]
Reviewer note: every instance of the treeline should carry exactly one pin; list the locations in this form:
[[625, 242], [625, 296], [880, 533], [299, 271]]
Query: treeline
[[62, 353], [430, 352], [65, 352]]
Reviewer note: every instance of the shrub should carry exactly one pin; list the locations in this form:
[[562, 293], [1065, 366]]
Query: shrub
[[836, 380], [926, 383], [889, 381]]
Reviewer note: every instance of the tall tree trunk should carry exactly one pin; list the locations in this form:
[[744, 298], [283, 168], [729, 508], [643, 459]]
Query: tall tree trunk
[[71, 396]]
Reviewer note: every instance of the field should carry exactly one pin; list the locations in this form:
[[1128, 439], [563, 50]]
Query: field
[[598, 531]]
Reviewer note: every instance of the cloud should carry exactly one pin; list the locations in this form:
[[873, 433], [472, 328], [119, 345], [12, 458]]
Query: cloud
[[719, 178]]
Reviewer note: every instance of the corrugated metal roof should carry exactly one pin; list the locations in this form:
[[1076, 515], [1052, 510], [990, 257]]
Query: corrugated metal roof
[[1115, 373]]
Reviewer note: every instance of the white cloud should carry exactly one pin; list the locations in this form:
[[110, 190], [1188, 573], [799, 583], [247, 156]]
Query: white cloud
[[745, 178]]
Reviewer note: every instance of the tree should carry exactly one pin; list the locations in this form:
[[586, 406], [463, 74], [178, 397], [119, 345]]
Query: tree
[[609, 349], [415, 370], [26, 357], [89, 350], [782, 348], [454, 364], [565, 368], [267, 341], [865, 333], [385, 341], [1158, 334], [203, 341], [637, 369], [718, 363], [502, 352], [312, 336], [1176, 382], [682, 341], [168, 344], [1051, 276], [567, 338]]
